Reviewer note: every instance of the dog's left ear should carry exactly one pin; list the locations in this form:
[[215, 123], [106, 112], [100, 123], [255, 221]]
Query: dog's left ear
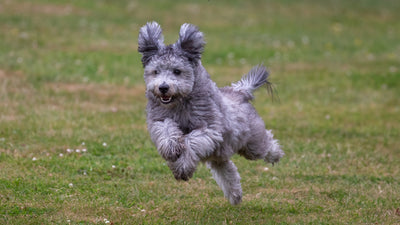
[[191, 41], [150, 41]]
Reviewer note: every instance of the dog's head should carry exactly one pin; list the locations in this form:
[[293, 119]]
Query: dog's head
[[169, 70]]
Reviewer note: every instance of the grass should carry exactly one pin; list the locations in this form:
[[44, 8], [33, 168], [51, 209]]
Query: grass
[[71, 78]]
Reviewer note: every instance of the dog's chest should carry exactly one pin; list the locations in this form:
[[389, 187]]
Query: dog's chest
[[186, 121], [195, 115]]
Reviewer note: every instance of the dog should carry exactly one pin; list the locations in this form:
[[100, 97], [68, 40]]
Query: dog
[[191, 120]]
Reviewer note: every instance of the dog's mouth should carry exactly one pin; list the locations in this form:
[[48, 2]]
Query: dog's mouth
[[165, 99]]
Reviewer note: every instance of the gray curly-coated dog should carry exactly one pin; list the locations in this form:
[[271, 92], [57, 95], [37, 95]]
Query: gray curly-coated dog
[[191, 120]]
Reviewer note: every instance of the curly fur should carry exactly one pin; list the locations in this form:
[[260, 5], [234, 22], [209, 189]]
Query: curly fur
[[191, 120]]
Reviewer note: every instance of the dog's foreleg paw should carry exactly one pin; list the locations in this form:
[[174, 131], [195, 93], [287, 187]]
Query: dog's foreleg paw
[[183, 173], [173, 150], [182, 176], [183, 168]]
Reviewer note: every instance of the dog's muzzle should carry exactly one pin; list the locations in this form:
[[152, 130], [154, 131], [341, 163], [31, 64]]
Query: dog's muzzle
[[165, 98]]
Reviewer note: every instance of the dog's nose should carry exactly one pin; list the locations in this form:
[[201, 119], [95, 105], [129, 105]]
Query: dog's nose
[[164, 87]]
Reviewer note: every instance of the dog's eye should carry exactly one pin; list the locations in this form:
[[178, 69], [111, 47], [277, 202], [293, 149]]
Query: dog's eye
[[156, 72], [177, 72]]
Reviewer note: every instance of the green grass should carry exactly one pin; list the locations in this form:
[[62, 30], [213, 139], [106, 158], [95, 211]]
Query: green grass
[[70, 73]]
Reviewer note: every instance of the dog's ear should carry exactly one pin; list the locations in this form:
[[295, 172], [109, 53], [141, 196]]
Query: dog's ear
[[150, 41], [191, 41]]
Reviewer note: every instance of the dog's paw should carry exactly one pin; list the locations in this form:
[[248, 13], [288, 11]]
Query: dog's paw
[[182, 174], [235, 198], [183, 168], [176, 149], [173, 156]]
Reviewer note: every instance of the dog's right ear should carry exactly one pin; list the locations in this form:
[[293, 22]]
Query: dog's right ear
[[150, 41], [191, 41]]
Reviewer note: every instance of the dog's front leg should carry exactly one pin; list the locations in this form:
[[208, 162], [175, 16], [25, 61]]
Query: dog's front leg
[[199, 145], [184, 167], [168, 139], [203, 142]]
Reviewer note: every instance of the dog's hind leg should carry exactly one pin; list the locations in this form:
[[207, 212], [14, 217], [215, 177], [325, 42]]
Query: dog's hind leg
[[227, 177], [274, 152], [262, 145]]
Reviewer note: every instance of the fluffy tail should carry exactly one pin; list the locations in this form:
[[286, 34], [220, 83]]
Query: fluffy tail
[[257, 77]]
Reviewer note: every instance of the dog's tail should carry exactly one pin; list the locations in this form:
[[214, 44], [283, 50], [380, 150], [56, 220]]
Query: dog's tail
[[257, 77]]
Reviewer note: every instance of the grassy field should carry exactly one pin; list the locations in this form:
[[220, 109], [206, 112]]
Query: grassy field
[[74, 147]]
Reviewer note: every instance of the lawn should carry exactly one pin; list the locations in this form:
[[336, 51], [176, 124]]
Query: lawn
[[74, 147]]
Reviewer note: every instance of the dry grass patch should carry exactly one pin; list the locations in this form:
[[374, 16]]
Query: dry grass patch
[[101, 91], [41, 9], [15, 92], [14, 82], [99, 97]]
